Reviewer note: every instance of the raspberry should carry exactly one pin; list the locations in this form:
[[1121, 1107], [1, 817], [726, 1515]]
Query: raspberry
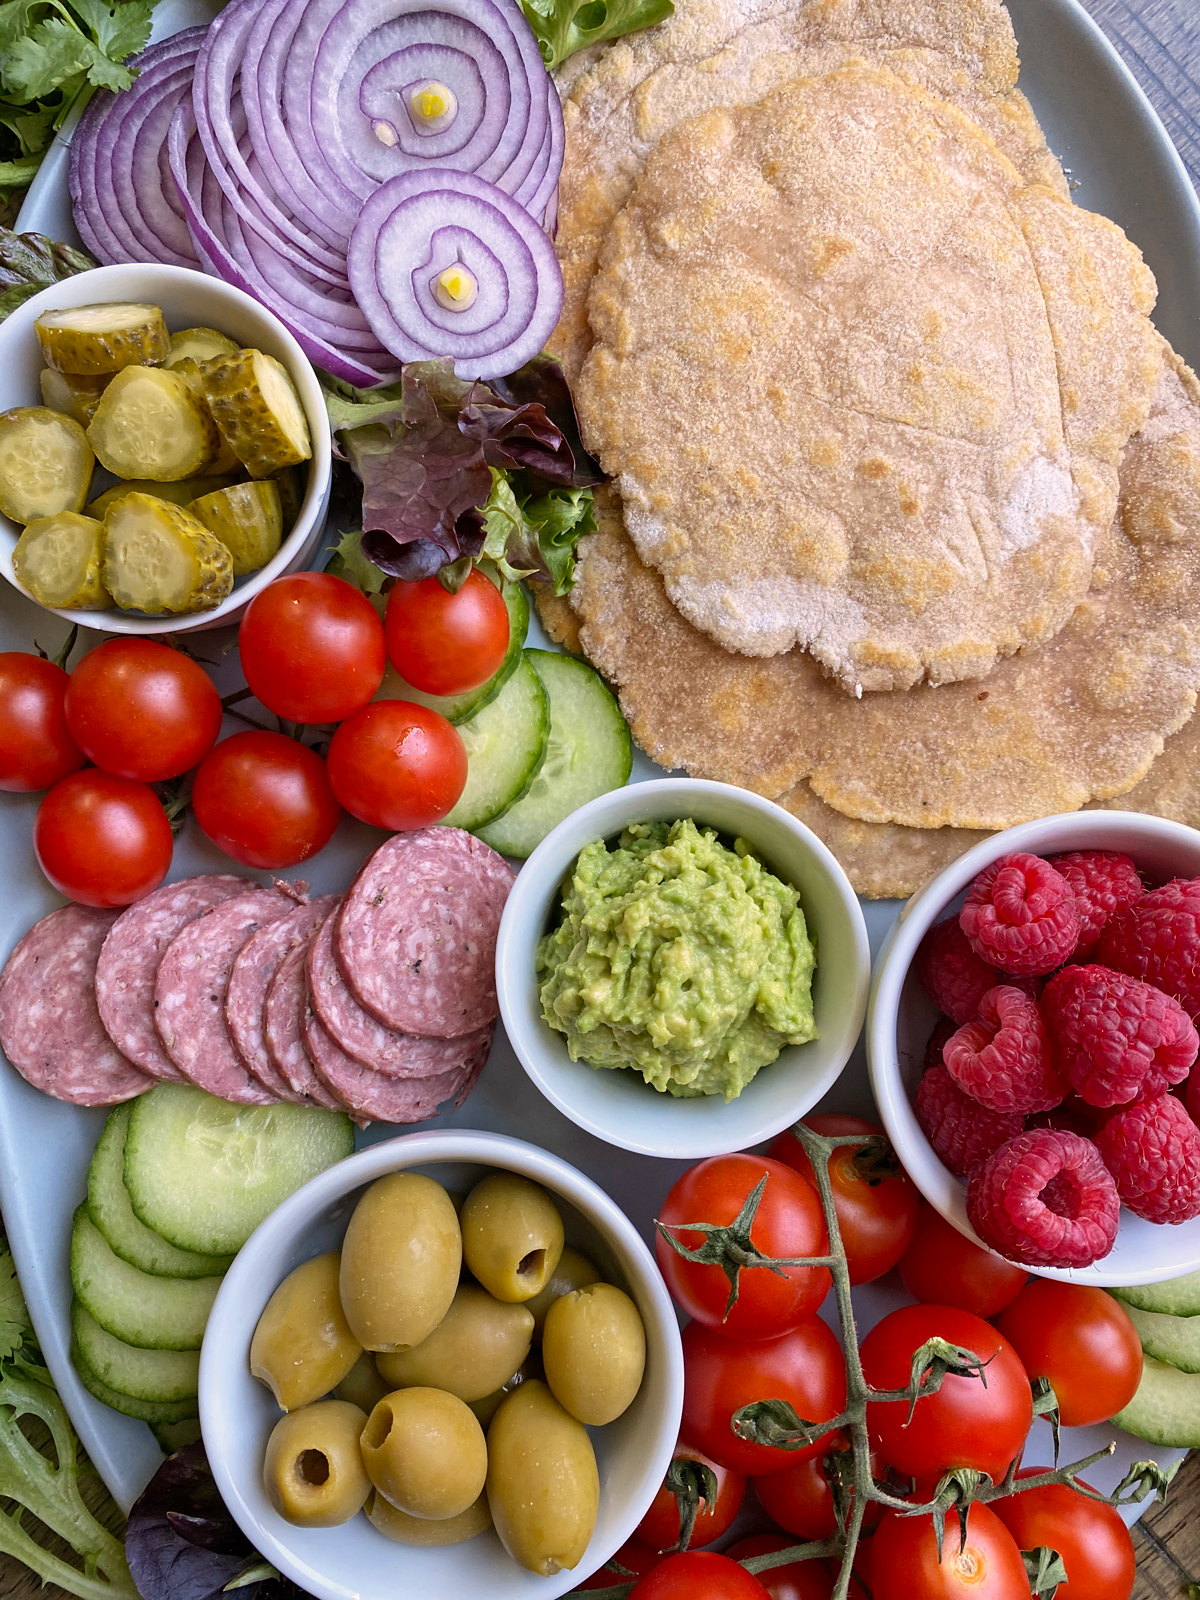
[[1157, 939], [1116, 1038], [943, 1029], [1073, 1116], [1152, 1150], [1100, 880], [1045, 1199], [952, 975], [1021, 916], [960, 1130], [1003, 1059]]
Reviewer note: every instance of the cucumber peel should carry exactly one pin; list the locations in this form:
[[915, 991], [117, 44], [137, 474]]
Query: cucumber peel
[[151, 1313], [506, 744], [1176, 1297], [1166, 1408], [1175, 1340]]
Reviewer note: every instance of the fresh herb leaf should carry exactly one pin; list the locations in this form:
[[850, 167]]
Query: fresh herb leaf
[[563, 26], [44, 58], [30, 262], [120, 29]]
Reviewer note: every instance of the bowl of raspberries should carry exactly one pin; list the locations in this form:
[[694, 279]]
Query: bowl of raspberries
[[1032, 1037]]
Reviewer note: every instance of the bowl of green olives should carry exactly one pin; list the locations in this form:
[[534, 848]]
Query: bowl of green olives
[[446, 1366]]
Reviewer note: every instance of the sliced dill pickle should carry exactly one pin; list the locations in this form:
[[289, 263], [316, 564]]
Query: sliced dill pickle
[[58, 560], [248, 520], [223, 459], [45, 463], [199, 344], [292, 484], [258, 410], [161, 559], [73, 395], [181, 493], [102, 338], [149, 424]]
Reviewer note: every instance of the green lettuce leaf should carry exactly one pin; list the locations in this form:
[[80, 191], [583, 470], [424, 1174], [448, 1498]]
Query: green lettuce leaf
[[30, 262], [534, 536], [563, 26]]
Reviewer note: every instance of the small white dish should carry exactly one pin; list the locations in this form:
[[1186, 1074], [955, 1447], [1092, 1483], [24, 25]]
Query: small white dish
[[354, 1562], [188, 300], [901, 1018], [619, 1106]]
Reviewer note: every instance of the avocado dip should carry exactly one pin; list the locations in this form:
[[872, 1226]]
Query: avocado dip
[[687, 961]]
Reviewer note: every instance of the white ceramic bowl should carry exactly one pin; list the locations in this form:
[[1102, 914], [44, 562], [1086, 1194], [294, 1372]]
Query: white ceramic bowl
[[619, 1106], [354, 1562], [188, 300], [901, 1018]]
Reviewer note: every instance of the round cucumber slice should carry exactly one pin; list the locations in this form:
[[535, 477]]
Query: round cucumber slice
[[172, 1436], [151, 1313], [457, 708], [1166, 1407], [1175, 1340], [160, 1413], [144, 1374], [506, 744]]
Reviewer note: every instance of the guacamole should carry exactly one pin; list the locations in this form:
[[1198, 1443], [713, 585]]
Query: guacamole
[[682, 959]]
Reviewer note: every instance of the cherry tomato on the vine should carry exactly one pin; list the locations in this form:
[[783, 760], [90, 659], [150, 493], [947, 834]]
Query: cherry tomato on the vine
[[265, 800], [659, 1528], [397, 765], [799, 1580], [445, 643], [102, 840], [943, 1267], [312, 647], [1082, 1340], [142, 710], [787, 1223], [695, 1574], [1090, 1537], [36, 747], [799, 1498], [875, 1199], [905, 1563], [633, 1555]]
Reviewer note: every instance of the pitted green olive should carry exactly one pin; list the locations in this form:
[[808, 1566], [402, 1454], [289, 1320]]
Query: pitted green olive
[[542, 1483], [475, 1348], [400, 1261], [313, 1472], [398, 1525], [594, 1352], [486, 1408], [512, 1236], [425, 1452], [303, 1347], [362, 1385], [573, 1271]]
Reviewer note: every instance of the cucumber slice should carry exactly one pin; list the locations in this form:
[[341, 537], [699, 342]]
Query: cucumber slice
[[1175, 1340], [110, 1211], [204, 1172], [248, 520], [1176, 1297], [149, 425], [102, 338], [256, 407], [58, 560], [159, 558], [144, 1374], [458, 708], [158, 1413], [589, 754], [1166, 1407], [45, 463], [172, 1436], [506, 744], [152, 1313]]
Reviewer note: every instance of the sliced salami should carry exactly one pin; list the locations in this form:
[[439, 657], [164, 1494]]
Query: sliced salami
[[375, 1096], [254, 966], [50, 1026], [283, 1030], [362, 1037], [416, 935], [189, 994], [129, 960]]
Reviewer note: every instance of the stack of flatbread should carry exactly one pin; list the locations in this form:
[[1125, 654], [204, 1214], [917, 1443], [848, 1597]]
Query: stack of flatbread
[[903, 521]]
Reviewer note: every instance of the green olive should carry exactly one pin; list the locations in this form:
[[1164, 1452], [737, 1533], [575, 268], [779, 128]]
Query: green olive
[[594, 1352], [512, 1236], [476, 1348], [573, 1271], [362, 1385], [425, 1452], [400, 1261], [486, 1408], [398, 1525], [542, 1483], [313, 1472], [303, 1347]]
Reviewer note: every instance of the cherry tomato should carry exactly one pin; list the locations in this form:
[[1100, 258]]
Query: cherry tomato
[[659, 1528], [36, 748], [799, 1580], [1090, 1537], [142, 710], [799, 1498], [905, 1564], [312, 647], [1082, 1340], [265, 800], [945, 1268], [875, 1199], [102, 840], [446, 643], [964, 1424], [397, 765], [698, 1573], [633, 1555], [787, 1223], [804, 1367]]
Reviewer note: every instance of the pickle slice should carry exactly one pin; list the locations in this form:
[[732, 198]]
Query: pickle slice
[[292, 485], [161, 559], [58, 560], [149, 424], [45, 463], [181, 493], [102, 338], [73, 395], [223, 459], [248, 520], [258, 410], [199, 344]]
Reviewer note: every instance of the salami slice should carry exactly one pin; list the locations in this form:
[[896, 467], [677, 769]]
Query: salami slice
[[397, 1055], [375, 1096], [189, 994], [416, 935], [283, 1030], [49, 1024], [128, 964], [255, 964]]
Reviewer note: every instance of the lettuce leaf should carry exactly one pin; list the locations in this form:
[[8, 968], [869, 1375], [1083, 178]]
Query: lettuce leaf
[[30, 262], [530, 536], [563, 26]]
